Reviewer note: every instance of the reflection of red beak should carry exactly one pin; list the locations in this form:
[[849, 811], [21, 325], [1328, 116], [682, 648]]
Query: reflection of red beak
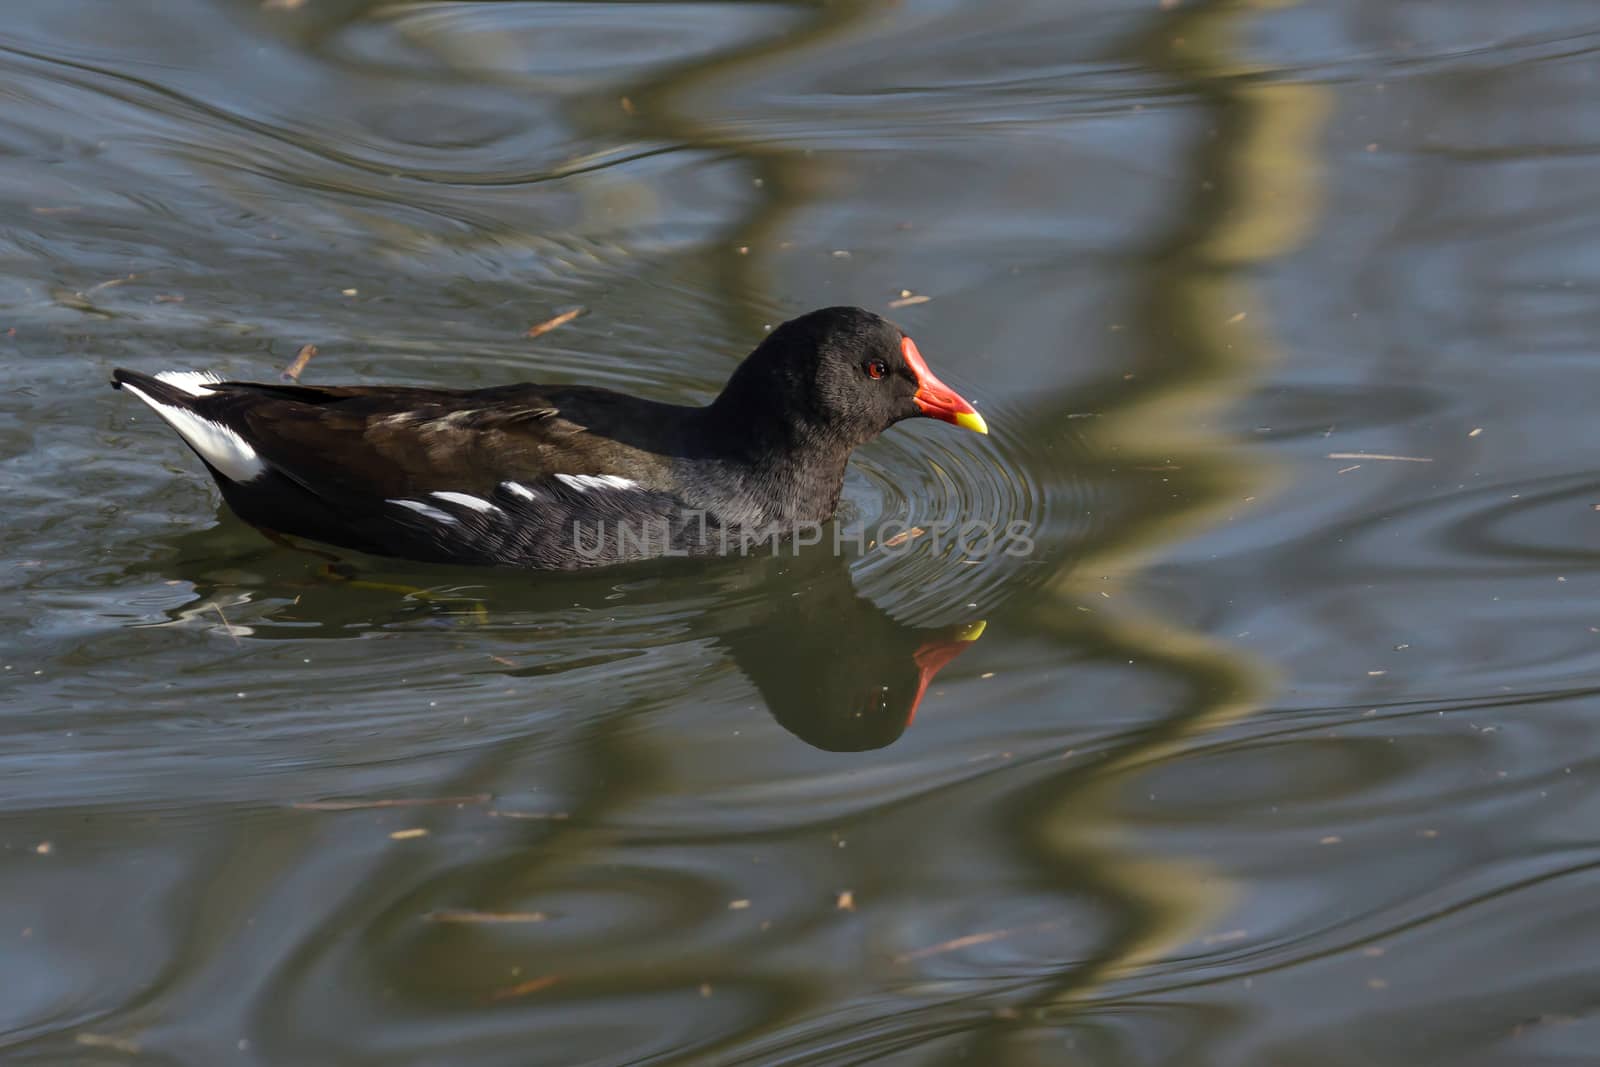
[[936, 399], [933, 656]]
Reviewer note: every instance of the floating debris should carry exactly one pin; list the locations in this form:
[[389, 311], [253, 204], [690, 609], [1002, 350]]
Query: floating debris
[[1380, 455], [1224, 938], [228, 626], [969, 941], [407, 835], [522, 989], [292, 372], [542, 328], [845, 901], [125, 1045], [552, 815], [909, 299], [468, 916], [387, 802], [901, 538]]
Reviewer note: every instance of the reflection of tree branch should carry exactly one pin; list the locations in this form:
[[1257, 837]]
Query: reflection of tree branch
[[669, 107], [1256, 198]]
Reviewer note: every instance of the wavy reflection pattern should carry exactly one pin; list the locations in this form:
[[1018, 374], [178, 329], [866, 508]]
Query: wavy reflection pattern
[[556, 876]]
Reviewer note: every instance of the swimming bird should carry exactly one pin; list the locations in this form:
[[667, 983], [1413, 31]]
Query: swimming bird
[[559, 476]]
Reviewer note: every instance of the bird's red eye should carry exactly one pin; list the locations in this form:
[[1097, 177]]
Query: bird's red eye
[[876, 368]]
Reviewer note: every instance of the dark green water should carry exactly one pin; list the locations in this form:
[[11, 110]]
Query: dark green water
[[1267, 755]]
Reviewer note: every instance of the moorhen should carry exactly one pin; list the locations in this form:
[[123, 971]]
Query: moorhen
[[559, 476]]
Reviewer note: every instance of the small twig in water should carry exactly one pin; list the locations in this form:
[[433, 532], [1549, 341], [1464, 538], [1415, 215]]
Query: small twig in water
[[522, 989], [905, 535], [112, 283], [292, 372], [1379, 455], [226, 625], [552, 815], [391, 802], [542, 328], [968, 942], [462, 915]]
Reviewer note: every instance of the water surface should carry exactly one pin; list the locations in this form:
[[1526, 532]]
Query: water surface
[[1277, 749]]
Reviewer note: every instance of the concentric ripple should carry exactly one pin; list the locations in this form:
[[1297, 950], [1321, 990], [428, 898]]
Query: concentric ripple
[[953, 522]]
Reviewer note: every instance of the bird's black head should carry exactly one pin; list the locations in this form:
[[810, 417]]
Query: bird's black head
[[842, 373]]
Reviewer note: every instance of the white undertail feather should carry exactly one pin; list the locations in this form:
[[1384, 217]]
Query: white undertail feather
[[219, 446], [519, 490], [193, 382]]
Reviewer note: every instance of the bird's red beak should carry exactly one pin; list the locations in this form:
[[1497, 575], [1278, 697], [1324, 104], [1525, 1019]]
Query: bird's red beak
[[936, 399]]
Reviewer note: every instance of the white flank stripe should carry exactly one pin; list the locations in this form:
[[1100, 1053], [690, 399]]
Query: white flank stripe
[[193, 382], [217, 445], [426, 511], [518, 489], [466, 500], [585, 482]]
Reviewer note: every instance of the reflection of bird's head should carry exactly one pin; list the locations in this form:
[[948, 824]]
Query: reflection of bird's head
[[838, 672], [864, 698]]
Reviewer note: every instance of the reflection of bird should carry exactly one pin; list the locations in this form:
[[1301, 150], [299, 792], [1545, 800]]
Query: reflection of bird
[[559, 477], [834, 669]]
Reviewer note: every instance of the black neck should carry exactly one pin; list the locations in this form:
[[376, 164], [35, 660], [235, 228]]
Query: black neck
[[790, 464]]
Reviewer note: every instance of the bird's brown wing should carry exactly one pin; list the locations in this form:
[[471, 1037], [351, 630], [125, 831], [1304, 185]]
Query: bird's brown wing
[[354, 442]]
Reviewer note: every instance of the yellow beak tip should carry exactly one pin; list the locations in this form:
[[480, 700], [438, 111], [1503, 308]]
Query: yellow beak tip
[[973, 630], [971, 420]]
